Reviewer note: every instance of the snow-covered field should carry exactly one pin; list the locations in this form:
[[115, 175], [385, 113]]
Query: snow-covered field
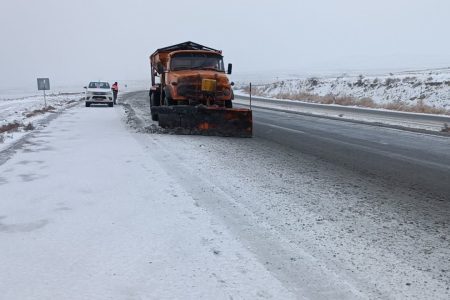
[[431, 87], [28, 111]]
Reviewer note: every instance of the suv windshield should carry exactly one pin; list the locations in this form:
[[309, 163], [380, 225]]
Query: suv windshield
[[101, 85], [185, 61]]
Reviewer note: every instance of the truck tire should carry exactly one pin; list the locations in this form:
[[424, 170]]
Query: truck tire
[[153, 102], [228, 104], [155, 116]]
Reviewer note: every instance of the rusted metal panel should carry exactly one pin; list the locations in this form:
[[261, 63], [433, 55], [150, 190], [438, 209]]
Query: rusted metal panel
[[207, 120], [195, 93]]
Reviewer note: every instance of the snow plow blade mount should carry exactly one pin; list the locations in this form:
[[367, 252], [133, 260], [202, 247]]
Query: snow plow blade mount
[[204, 120]]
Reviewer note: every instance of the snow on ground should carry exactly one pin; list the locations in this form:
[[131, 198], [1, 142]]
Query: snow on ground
[[87, 212], [431, 86], [402, 120], [354, 236], [92, 210], [20, 110], [17, 103]]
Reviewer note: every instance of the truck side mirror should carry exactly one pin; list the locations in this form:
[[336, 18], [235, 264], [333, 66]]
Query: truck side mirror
[[230, 69], [84, 87], [160, 68]]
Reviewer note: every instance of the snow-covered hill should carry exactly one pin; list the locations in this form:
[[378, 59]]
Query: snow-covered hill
[[430, 87]]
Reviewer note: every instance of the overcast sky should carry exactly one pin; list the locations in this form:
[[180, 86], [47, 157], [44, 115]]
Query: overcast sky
[[76, 41]]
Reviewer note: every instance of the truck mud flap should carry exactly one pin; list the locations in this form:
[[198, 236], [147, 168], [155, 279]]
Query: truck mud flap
[[206, 120]]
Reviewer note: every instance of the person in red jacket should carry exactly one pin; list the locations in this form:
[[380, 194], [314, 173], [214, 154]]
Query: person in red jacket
[[115, 90]]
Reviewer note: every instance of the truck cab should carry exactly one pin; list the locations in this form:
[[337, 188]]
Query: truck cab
[[191, 91], [190, 74]]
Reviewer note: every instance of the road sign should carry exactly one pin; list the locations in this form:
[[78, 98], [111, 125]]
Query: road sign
[[43, 84]]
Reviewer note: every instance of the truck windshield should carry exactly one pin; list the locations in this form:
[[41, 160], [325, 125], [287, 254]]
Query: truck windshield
[[186, 61]]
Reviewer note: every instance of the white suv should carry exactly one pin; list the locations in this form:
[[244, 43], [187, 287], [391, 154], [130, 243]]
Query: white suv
[[98, 93]]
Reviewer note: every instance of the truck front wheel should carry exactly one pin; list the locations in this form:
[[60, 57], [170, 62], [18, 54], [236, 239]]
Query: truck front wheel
[[153, 102]]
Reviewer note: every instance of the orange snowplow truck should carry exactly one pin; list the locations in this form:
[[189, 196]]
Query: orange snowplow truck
[[190, 90]]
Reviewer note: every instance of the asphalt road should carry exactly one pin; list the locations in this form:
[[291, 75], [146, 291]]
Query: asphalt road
[[415, 160], [183, 216], [356, 207]]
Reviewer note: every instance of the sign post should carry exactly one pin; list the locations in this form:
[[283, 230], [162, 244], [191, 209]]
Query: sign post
[[43, 85], [250, 95]]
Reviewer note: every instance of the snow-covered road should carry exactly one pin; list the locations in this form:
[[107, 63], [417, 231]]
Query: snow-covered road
[[86, 212], [93, 210]]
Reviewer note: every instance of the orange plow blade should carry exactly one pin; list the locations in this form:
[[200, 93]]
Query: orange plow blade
[[207, 120]]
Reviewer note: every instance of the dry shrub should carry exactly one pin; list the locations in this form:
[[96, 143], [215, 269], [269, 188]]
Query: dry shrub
[[446, 128], [327, 99], [397, 105], [367, 102], [345, 101], [11, 127], [313, 81], [29, 127], [246, 89], [255, 90], [419, 107], [33, 113], [40, 111], [409, 79], [302, 96]]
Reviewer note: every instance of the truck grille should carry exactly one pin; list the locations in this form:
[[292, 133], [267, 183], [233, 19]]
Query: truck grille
[[195, 91]]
